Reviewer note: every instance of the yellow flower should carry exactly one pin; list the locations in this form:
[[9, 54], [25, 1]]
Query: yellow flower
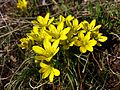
[[85, 42], [24, 43], [75, 26], [61, 18], [48, 70], [98, 36], [22, 4], [48, 51], [59, 32], [89, 27], [101, 38], [68, 20], [43, 21], [38, 34]]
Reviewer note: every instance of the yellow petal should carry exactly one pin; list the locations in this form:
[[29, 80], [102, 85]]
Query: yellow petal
[[29, 36], [102, 39], [46, 73], [24, 40], [19, 1], [35, 22], [77, 43], [49, 58], [51, 76], [96, 28], [56, 72], [40, 19], [51, 34], [72, 41], [38, 50], [80, 25], [52, 28], [83, 49], [92, 42], [74, 38], [40, 57], [63, 37], [92, 24], [47, 17], [68, 23], [60, 26], [87, 37], [22, 4], [89, 48], [51, 20], [65, 31], [76, 29], [55, 44], [35, 29], [80, 35], [98, 34], [46, 44], [61, 18], [75, 22], [25, 3], [85, 25], [69, 18], [46, 35], [56, 51], [42, 70], [43, 65]]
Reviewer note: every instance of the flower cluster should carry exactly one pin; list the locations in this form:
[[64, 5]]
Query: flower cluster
[[48, 35], [22, 4]]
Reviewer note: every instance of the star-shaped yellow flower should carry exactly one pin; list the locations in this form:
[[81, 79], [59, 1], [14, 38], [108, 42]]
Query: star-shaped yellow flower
[[75, 27], [85, 42], [38, 34], [68, 20], [89, 27], [22, 4], [43, 21], [59, 32], [99, 38], [48, 70], [24, 43], [48, 51]]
